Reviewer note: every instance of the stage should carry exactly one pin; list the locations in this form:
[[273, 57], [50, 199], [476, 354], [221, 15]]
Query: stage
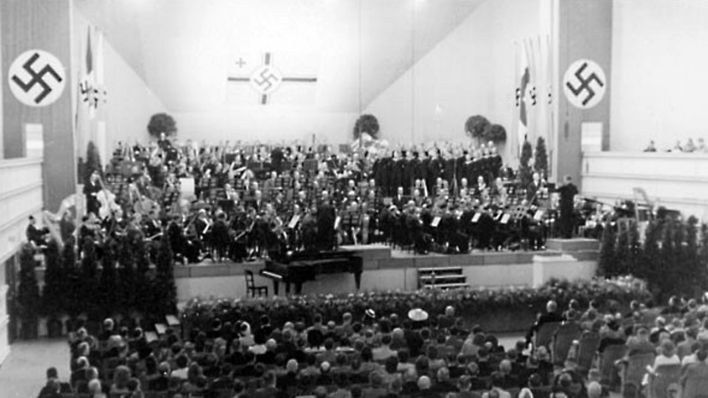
[[393, 269]]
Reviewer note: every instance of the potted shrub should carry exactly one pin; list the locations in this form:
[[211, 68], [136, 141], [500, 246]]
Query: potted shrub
[[476, 127]]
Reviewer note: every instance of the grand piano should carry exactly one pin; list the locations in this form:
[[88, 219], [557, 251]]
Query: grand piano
[[299, 267]]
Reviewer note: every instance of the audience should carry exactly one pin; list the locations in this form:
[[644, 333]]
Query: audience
[[353, 357], [688, 147]]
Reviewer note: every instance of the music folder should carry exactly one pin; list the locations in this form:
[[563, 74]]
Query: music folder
[[538, 216], [476, 217], [435, 222], [293, 221], [505, 218]]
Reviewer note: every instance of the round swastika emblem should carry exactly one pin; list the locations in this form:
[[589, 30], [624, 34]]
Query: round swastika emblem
[[584, 84], [36, 78], [266, 79]]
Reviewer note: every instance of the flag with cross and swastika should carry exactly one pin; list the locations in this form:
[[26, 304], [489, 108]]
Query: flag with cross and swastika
[[272, 78]]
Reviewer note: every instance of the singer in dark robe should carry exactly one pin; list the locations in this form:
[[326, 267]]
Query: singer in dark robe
[[567, 196]]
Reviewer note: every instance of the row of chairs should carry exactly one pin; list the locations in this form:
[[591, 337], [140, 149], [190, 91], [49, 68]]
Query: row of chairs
[[666, 381]]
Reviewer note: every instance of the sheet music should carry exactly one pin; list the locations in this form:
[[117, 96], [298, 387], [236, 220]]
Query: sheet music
[[476, 217], [293, 221], [435, 222]]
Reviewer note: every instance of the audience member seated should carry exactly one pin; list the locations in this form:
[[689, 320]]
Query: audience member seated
[[651, 147]]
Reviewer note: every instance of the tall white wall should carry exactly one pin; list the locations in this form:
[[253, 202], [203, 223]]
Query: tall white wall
[[130, 101], [2, 140], [659, 64], [266, 125], [471, 71]]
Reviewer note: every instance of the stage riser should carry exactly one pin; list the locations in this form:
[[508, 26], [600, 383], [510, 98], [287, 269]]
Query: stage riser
[[384, 270], [403, 277], [573, 245]]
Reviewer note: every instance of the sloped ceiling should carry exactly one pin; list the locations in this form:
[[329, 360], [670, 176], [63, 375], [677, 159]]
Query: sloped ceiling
[[182, 48]]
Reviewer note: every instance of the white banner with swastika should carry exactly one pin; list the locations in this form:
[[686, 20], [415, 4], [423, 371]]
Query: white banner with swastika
[[36, 78], [272, 78], [584, 83]]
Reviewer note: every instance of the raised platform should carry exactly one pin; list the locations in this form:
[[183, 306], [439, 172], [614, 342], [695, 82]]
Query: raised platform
[[387, 269], [674, 180]]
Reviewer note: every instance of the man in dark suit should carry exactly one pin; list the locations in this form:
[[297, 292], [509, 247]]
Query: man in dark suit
[[567, 198], [533, 190], [325, 223], [34, 234]]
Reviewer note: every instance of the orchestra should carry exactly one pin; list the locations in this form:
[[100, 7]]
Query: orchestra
[[246, 205]]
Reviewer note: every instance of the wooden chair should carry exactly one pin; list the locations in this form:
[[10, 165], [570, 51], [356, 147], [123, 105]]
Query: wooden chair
[[544, 334], [634, 370], [562, 340], [664, 383], [589, 342], [694, 383], [251, 287]]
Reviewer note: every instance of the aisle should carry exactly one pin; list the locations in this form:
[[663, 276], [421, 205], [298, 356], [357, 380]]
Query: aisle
[[22, 374]]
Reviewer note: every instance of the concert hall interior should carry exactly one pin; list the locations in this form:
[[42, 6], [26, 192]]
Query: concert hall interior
[[211, 181]]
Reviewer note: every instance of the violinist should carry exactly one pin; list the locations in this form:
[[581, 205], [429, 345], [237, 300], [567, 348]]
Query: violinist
[[89, 228], [533, 190], [231, 193], [202, 225], [481, 191], [399, 200], [240, 228], [499, 194], [115, 224], [152, 226], [178, 241]]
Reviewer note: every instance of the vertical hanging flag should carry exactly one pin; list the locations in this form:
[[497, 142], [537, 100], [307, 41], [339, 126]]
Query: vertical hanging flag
[[550, 122], [83, 113], [531, 91], [524, 84], [98, 127], [513, 144]]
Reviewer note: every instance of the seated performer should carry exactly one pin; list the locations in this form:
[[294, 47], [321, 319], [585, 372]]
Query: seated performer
[[36, 236]]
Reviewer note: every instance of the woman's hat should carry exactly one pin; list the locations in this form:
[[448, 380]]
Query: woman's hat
[[418, 315]]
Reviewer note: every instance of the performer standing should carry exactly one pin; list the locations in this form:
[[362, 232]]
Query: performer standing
[[325, 223], [567, 196], [91, 190]]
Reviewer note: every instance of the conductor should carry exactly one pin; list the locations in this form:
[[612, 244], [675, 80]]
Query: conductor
[[567, 196]]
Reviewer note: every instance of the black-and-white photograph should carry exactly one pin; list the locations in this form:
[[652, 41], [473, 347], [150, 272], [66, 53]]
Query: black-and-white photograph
[[353, 199]]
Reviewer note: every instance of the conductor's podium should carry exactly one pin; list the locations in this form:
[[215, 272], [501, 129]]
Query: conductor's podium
[[301, 267]]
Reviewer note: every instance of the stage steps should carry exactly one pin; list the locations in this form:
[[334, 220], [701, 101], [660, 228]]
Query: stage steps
[[441, 278]]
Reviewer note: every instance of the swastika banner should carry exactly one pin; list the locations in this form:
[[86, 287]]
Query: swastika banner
[[584, 83], [36, 78], [272, 79]]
